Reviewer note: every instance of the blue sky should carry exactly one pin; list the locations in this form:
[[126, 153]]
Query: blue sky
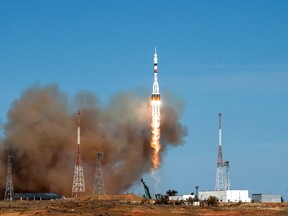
[[228, 56]]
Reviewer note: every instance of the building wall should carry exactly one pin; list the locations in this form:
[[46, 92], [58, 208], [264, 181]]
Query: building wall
[[266, 197], [181, 197], [226, 196], [221, 195], [238, 196]]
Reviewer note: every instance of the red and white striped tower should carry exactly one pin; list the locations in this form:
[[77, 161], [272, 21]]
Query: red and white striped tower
[[78, 187]]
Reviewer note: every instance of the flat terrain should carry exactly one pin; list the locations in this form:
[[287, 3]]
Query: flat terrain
[[133, 205]]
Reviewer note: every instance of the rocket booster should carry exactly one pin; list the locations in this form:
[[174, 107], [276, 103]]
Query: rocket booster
[[155, 92]]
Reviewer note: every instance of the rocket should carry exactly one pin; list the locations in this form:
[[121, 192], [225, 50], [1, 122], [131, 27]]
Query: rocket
[[155, 92]]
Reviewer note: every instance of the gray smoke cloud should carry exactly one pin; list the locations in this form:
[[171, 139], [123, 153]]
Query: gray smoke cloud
[[41, 135]]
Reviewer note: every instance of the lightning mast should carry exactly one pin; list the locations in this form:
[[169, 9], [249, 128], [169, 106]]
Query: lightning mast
[[220, 178], [9, 192], [78, 187], [99, 180]]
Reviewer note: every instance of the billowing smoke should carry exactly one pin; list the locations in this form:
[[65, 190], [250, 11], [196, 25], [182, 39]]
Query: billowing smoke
[[41, 135]]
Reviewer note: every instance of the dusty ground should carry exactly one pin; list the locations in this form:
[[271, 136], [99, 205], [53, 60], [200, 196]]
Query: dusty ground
[[131, 205]]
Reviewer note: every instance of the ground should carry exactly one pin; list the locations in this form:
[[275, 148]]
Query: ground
[[130, 205]]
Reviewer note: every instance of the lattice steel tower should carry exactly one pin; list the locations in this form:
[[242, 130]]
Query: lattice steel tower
[[227, 184], [9, 192], [220, 178], [78, 187], [99, 180], [223, 167]]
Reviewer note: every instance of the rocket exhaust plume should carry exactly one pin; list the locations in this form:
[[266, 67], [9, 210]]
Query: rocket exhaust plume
[[40, 134], [156, 118]]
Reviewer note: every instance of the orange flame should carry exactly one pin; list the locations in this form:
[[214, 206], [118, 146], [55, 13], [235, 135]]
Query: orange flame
[[155, 138]]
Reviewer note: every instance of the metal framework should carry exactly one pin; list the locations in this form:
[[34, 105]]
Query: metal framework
[[223, 167], [78, 187], [9, 192], [99, 180], [219, 185], [227, 184]]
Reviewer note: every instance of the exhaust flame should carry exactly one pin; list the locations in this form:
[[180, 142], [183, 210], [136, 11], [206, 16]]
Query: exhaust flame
[[155, 129]]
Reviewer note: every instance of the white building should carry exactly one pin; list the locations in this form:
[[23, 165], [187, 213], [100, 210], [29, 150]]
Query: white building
[[181, 197], [226, 195], [266, 198]]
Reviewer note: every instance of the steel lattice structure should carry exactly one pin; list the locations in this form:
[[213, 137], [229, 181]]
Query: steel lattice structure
[[220, 179], [227, 184], [99, 187], [223, 167], [78, 187], [9, 192]]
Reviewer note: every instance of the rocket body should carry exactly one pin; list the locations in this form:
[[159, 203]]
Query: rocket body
[[155, 92]]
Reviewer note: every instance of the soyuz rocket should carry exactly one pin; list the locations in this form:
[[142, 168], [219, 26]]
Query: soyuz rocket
[[156, 117], [155, 92]]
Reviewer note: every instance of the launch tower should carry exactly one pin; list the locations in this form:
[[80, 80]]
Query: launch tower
[[99, 180], [78, 187], [9, 192]]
